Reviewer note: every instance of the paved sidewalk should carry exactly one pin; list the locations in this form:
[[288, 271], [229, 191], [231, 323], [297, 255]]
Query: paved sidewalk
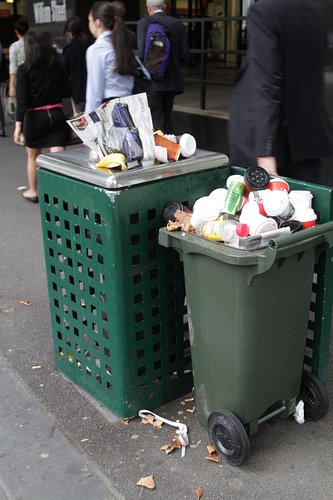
[[36, 460], [71, 447]]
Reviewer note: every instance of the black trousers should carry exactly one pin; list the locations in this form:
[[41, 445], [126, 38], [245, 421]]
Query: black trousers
[[305, 170], [308, 170], [161, 104]]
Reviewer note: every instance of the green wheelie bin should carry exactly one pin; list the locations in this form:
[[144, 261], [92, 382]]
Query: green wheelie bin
[[249, 314]]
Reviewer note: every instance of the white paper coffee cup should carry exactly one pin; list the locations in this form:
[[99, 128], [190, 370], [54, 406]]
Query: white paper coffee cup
[[188, 145]]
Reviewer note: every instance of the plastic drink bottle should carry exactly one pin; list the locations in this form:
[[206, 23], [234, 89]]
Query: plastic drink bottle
[[211, 230], [234, 198]]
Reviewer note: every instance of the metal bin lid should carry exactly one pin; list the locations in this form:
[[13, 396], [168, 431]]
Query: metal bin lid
[[75, 163]]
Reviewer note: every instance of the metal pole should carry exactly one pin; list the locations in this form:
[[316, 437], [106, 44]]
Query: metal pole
[[190, 8], [173, 10], [203, 63], [240, 34]]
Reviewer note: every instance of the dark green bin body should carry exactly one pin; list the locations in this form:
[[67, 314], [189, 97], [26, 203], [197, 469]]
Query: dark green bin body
[[116, 297], [250, 316]]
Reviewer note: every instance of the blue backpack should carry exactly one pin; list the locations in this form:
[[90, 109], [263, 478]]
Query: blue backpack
[[157, 51]]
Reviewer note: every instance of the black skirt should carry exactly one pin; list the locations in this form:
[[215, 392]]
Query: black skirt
[[45, 128]]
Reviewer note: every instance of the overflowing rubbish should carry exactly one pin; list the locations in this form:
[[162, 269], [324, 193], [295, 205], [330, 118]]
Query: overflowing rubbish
[[120, 135], [171, 147], [121, 125], [250, 211]]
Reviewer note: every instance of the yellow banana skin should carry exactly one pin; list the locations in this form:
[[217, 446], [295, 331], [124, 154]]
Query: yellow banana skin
[[113, 160]]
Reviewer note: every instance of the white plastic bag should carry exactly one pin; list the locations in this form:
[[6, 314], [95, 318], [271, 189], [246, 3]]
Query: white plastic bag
[[10, 108]]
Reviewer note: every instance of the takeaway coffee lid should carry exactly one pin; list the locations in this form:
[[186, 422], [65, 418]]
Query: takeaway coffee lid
[[256, 178], [170, 209]]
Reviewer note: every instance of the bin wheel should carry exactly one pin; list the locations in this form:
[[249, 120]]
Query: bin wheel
[[314, 395], [229, 437]]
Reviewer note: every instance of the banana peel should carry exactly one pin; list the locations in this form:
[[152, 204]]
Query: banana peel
[[110, 161]]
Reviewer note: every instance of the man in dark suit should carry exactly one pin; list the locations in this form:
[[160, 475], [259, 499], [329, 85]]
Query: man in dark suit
[[162, 97], [277, 117]]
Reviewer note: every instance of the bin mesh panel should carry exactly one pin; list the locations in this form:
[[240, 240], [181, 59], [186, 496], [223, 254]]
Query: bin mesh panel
[[317, 352], [79, 299], [117, 298]]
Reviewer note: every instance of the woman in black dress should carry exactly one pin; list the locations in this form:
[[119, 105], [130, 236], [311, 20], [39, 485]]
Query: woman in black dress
[[41, 85]]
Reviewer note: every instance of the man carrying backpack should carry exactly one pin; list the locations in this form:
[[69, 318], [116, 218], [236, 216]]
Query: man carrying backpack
[[163, 48]]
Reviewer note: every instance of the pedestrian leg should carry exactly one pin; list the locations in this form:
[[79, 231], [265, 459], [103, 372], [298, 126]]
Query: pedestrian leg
[[2, 113], [32, 154]]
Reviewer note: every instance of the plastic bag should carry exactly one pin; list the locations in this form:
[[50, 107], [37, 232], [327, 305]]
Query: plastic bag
[[10, 108]]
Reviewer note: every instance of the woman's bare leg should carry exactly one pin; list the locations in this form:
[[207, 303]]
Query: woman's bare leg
[[32, 154]]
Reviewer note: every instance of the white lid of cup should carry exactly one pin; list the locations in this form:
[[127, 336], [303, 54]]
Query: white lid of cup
[[299, 194], [197, 220], [254, 195], [218, 196], [234, 178], [213, 207], [250, 209], [200, 215], [199, 202], [276, 202], [307, 215], [228, 230], [219, 193], [188, 145], [207, 208], [266, 225]]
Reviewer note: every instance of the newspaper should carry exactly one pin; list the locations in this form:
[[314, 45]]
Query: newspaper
[[121, 125]]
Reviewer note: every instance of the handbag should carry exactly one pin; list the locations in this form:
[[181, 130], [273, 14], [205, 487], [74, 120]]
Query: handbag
[[76, 111], [73, 138], [10, 108]]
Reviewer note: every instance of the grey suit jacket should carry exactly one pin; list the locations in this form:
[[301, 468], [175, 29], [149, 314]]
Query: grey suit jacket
[[277, 103], [173, 80]]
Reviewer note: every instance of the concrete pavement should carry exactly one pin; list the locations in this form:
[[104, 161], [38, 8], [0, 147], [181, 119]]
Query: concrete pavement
[[37, 460], [57, 442]]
